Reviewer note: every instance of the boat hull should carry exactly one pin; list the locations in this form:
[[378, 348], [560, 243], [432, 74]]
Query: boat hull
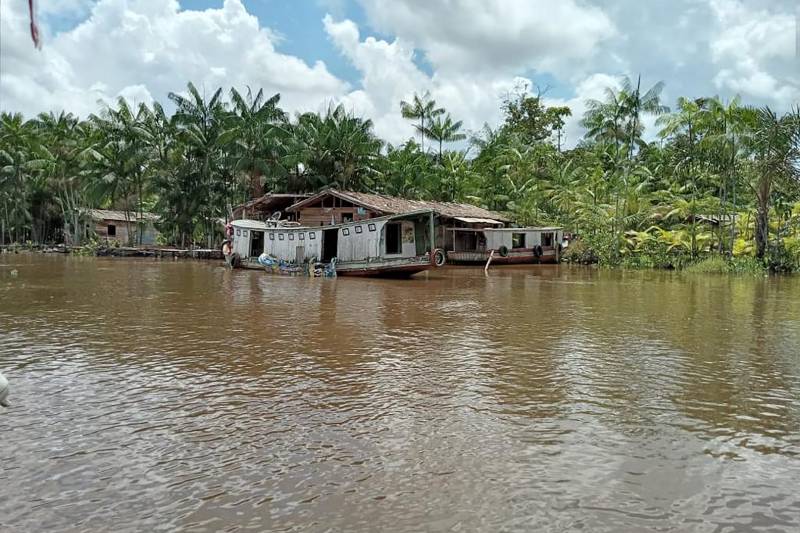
[[513, 257], [395, 268]]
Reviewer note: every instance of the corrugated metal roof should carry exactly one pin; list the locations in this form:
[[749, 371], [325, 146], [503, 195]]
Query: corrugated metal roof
[[469, 220], [119, 216], [394, 205]]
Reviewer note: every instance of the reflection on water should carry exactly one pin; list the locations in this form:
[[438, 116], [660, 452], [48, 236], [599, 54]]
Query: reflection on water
[[170, 395]]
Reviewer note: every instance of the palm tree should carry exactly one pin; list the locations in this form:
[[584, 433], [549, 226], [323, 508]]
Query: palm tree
[[727, 125], [775, 145], [422, 108], [16, 173], [63, 152], [444, 130], [337, 149], [257, 124], [202, 130]]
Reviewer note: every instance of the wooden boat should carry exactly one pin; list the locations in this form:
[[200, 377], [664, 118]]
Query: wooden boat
[[398, 246], [510, 245]]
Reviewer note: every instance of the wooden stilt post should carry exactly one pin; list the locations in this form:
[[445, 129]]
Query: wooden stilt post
[[433, 235], [488, 261]]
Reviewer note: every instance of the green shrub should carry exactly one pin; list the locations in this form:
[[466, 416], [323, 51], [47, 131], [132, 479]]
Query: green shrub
[[718, 264]]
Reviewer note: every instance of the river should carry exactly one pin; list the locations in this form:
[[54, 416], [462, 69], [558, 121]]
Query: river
[[159, 396]]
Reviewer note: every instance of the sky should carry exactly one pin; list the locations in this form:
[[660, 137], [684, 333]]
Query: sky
[[371, 54]]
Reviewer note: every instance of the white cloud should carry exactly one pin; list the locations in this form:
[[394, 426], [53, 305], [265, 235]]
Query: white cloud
[[389, 75], [755, 49], [476, 51], [592, 87], [497, 35], [142, 49]]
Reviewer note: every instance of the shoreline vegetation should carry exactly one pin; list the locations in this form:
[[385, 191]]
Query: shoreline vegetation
[[709, 186]]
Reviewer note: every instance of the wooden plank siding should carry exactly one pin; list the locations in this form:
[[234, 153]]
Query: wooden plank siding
[[321, 216]]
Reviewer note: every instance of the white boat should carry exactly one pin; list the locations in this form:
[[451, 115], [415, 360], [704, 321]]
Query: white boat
[[398, 245], [510, 245]]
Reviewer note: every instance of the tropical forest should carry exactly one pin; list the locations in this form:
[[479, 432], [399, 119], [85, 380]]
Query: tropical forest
[[711, 184]]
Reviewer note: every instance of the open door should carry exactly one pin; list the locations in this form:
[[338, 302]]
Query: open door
[[256, 243], [330, 244]]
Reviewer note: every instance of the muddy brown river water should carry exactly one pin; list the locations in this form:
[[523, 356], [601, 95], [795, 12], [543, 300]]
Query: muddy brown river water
[[164, 396]]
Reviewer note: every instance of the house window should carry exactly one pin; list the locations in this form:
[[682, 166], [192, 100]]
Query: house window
[[280, 236], [238, 232], [345, 232], [371, 227], [312, 235], [359, 229], [301, 236], [393, 241], [291, 236], [112, 230], [272, 236], [547, 239], [518, 240], [347, 217], [244, 233]]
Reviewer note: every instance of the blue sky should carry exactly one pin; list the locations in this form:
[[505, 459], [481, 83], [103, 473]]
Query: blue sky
[[371, 54]]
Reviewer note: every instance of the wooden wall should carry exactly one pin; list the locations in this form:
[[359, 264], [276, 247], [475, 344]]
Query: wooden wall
[[321, 216]]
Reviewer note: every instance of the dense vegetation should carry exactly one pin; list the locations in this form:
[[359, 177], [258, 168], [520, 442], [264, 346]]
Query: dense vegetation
[[719, 185]]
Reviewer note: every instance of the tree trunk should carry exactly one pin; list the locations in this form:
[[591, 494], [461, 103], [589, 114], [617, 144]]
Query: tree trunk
[[762, 221], [762, 231]]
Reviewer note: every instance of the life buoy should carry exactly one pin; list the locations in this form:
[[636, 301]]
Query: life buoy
[[438, 258], [503, 251]]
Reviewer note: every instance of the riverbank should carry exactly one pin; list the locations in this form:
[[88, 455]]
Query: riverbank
[[779, 261], [93, 249]]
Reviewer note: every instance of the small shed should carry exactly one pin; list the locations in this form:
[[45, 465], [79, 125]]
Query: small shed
[[113, 225]]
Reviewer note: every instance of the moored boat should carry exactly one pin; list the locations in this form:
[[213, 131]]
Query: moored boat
[[398, 246], [504, 245]]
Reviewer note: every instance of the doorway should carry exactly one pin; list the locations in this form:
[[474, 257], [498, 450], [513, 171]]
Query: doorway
[[393, 238], [330, 244], [256, 243]]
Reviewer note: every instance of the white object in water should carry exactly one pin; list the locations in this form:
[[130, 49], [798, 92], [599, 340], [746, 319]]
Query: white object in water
[[3, 391]]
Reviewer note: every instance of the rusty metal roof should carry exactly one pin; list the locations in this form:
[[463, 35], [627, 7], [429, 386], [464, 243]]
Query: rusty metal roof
[[392, 205], [119, 216]]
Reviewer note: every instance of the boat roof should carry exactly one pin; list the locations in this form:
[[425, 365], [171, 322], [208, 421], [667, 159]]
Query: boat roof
[[516, 230]]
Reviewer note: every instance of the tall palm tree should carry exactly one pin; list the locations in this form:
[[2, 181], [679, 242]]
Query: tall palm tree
[[444, 130], [422, 108], [775, 144], [727, 125], [202, 129], [63, 152], [258, 123], [337, 148], [17, 144]]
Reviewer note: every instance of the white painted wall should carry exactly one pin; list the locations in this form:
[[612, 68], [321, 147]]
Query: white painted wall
[[352, 244], [357, 246], [283, 243], [496, 239]]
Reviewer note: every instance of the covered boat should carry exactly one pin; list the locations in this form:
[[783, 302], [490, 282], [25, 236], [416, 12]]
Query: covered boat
[[398, 245], [510, 245]]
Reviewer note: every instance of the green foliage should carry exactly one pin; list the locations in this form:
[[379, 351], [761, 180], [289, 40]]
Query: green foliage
[[719, 189], [527, 117], [717, 264]]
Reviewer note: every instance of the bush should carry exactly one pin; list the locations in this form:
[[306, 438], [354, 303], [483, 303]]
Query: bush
[[578, 252], [718, 264]]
